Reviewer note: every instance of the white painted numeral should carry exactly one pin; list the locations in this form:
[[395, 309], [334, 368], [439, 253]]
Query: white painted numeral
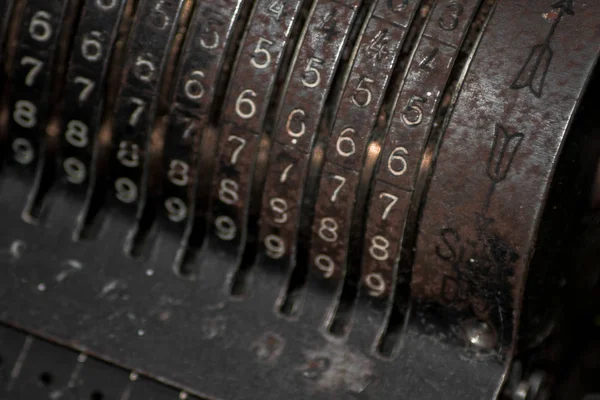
[[394, 200], [25, 114], [236, 153], [35, 70], [249, 105], [40, 28]]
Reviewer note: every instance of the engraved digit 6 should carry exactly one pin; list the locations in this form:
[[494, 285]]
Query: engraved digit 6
[[398, 154], [449, 21], [288, 124], [194, 90], [347, 142], [91, 47], [40, 28], [242, 100]]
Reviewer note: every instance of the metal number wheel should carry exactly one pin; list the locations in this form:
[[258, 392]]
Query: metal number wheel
[[291, 199]]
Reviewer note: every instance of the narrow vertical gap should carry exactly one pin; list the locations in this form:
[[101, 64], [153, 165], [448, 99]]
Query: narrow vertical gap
[[391, 336]]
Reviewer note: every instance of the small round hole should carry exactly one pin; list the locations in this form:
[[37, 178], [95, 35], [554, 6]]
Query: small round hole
[[46, 378], [97, 395]]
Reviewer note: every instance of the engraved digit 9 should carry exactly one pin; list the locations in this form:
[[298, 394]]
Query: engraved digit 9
[[23, 151], [375, 283], [226, 228], [275, 247], [325, 264], [176, 209], [127, 191]]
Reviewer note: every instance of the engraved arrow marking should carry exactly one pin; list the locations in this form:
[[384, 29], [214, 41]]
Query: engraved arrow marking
[[533, 73], [503, 152]]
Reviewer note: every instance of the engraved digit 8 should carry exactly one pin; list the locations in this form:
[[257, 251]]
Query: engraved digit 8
[[379, 248], [77, 134], [25, 114], [449, 21], [129, 154], [228, 191], [279, 206], [328, 230], [40, 28], [178, 173]]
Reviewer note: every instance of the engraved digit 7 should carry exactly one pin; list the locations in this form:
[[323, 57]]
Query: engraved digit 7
[[387, 210], [236, 152], [34, 71]]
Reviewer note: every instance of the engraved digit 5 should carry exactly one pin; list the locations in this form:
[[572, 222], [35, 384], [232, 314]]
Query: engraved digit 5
[[412, 115], [312, 70], [260, 50]]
